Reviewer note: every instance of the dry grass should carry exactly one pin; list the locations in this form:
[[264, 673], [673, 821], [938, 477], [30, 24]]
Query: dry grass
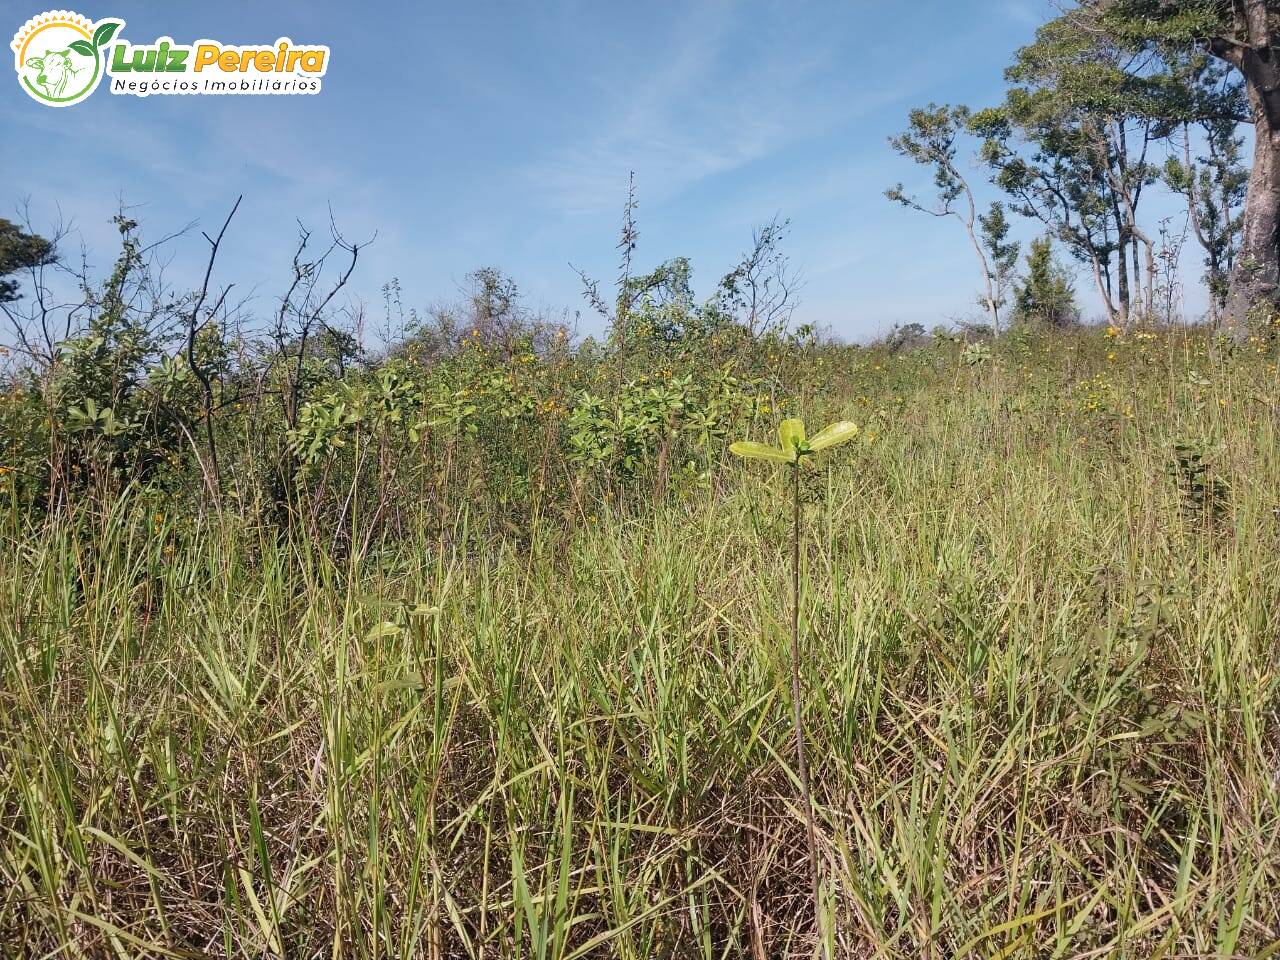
[[1040, 696]]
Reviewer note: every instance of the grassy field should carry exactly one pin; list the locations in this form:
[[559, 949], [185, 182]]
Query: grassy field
[[1039, 670]]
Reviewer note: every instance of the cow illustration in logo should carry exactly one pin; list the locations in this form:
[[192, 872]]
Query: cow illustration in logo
[[56, 72]]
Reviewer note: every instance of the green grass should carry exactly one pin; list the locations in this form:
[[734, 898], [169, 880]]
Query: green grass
[[1040, 698]]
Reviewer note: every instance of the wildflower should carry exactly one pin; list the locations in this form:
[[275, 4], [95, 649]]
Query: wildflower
[[1113, 332]]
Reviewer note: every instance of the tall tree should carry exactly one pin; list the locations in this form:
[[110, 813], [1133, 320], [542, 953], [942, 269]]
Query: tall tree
[[931, 141], [1052, 180], [1213, 184], [1244, 34], [1087, 107]]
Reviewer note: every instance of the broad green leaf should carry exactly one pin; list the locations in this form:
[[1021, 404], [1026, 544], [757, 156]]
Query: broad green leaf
[[403, 683], [758, 451], [834, 434], [104, 33], [82, 47], [791, 433], [384, 629]]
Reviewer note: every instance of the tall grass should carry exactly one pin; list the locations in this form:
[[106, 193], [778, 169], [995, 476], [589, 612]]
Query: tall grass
[[1039, 692]]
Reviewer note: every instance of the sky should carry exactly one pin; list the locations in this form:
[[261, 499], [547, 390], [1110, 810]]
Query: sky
[[468, 135]]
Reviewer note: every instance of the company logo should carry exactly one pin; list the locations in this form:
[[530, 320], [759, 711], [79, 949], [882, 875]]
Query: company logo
[[61, 57]]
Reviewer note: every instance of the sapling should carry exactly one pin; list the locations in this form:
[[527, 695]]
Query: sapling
[[792, 450]]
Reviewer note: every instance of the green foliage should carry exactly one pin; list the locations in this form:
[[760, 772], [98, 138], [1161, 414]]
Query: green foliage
[[672, 414], [1044, 294], [1002, 253], [976, 354], [20, 251], [1204, 494], [931, 141], [1170, 24], [113, 385]]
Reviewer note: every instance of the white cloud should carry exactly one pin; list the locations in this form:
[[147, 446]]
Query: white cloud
[[665, 126]]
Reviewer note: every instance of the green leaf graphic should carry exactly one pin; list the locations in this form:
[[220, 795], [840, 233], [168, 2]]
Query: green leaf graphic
[[104, 33], [83, 47]]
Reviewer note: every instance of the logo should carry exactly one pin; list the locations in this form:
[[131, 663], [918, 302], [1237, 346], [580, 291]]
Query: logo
[[61, 57]]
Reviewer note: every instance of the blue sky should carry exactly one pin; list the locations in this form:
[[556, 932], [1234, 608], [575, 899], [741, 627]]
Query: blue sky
[[502, 134]]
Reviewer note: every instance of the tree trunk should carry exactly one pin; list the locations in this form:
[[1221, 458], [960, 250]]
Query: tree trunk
[[1122, 283], [1256, 275], [1212, 256], [1104, 288], [992, 309], [1255, 278]]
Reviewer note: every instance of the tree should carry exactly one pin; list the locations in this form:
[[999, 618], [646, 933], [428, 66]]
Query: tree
[[1071, 144], [20, 251], [1057, 185], [1245, 34], [1045, 293], [761, 289], [196, 325], [1002, 253], [1214, 186], [931, 141]]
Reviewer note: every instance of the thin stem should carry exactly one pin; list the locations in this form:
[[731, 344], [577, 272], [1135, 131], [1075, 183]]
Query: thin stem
[[802, 766]]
